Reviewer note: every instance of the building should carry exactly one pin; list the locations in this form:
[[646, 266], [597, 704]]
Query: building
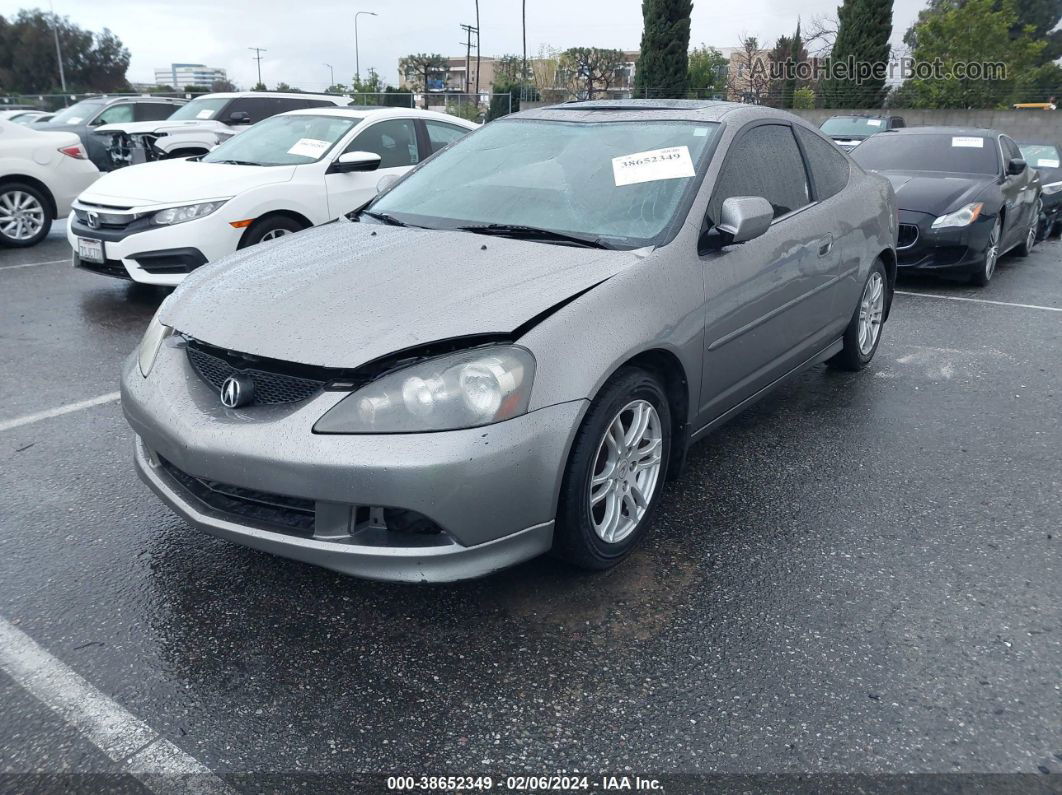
[[180, 75], [748, 75]]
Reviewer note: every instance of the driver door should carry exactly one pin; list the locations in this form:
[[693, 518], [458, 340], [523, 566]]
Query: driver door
[[395, 141], [1019, 194]]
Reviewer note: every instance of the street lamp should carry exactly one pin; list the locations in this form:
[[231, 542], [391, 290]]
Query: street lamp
[[332, 74], [357, 60]]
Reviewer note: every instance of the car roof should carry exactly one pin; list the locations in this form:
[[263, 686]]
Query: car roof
[[281, 94], [364, 111], [861, 116], [975, 132], [1038, 142], [655, 109]]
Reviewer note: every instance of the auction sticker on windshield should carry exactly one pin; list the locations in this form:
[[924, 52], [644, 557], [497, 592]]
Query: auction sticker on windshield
[[204, 114], [671, 163], [972, 142], [309, 147]]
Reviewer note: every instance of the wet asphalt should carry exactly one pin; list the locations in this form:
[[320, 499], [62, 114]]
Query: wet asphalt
[[861, 573]]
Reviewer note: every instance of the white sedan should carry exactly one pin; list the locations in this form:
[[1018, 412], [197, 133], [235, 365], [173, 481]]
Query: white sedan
[[40, 174], [156, 222]]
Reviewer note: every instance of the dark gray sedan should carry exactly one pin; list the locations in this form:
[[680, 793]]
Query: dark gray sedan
[[510, 350]]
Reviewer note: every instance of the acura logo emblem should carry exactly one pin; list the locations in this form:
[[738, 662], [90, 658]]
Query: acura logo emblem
[[238, 390]]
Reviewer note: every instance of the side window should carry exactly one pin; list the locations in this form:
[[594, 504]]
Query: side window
[[154, 111], [394, 140], [829, 168], [313, 103], [257, 108], [115, 114], [441, 134], [765, 161]]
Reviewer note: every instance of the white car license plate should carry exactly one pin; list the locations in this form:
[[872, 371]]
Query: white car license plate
[[90, 250]]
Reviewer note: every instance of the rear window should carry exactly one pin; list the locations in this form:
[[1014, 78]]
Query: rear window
[[955, 153], [852, 125]]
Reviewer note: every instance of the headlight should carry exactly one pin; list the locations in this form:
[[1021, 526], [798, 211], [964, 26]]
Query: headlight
[[189, 212], [1051, 188], [149, 346], [461, 390], [962, 217]]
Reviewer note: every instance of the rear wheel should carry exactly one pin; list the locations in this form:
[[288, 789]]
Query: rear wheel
[[863, 334], [25, 217], [984, 272], [1031, 234], [615, 472], [270, 228]]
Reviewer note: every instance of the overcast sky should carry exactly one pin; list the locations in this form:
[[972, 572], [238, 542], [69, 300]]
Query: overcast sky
[[300, 37]]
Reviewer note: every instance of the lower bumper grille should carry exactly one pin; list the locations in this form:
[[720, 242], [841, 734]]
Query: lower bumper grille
[[287, 514], [908, 235], [111, 267]]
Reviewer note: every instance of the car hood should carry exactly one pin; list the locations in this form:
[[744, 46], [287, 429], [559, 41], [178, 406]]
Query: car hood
[[171, 181], [163, 126], [1049, 175], [933, 192], [346, 293]]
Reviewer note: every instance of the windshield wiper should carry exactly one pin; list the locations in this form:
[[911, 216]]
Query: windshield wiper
[[522, 232], [384, 217], [235, 162]]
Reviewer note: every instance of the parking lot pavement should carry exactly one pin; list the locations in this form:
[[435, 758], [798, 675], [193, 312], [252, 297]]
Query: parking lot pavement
[[861, 573]]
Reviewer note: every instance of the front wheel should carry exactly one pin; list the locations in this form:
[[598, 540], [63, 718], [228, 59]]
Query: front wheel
[[863, 334], [1032, 233], [269, 228], [24, 215], [615, 472], [984, 272]]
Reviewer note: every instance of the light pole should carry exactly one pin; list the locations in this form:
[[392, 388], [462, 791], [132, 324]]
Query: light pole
[[357, 59], [332, 75]]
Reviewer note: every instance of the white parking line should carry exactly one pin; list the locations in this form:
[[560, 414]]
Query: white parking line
[[34, 264], [980, 301], [7, 425], [140, 751]]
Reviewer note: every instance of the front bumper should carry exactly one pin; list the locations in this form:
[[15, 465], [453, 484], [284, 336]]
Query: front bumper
[[493, 491], [161, 255], [950, 250]]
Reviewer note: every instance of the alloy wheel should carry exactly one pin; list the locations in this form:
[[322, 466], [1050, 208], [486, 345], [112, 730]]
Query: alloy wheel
[[21, 215], [871, 310], [626, 471], [992, 252], [273, 234]]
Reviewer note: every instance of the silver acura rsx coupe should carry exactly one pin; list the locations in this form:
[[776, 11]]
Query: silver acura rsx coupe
[[511, 349]]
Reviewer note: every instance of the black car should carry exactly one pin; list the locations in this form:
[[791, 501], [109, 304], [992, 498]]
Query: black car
[[88, 114], [966, 196], [1046, 157], [850, 131]]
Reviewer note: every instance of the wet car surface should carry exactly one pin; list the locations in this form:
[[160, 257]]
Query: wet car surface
[[859, 573]]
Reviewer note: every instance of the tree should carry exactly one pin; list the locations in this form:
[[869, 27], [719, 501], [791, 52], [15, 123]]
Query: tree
[[223, 84], [707, 71], [797, 55], [663, 62], [287, 89], [748, 79], [804, 98], [545, 74], [860, 55], [259, 87], [507, 69], [1042, 15], [973, 31], [193, 89], [370, 85], [588, 69], [28, 65], [417, 69]]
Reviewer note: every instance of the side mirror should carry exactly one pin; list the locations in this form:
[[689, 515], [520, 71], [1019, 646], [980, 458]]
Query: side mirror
[[354, 161], [743, 218], [239, 117], [1016, 165]]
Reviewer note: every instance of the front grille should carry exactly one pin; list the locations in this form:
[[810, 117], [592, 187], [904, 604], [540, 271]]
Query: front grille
[[260, 508], [908, 235], [111, 267], [271, 387], [106, 217]]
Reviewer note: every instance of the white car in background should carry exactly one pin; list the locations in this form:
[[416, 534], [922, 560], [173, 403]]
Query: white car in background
[[202, 124], [25, 116], [156, 222], [40, 175]]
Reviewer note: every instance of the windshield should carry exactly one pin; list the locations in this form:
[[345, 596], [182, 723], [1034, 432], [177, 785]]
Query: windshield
[[202, 108], [283, 141], [619, 180], [78, 113], [852, 125], [1040, 155], [961, 154]]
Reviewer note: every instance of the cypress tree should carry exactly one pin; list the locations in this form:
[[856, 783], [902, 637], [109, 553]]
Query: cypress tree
[[862, 41], [795, 55], [663, 63]]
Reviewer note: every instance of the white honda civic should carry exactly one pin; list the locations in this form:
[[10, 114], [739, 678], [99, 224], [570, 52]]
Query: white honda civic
[[156, 222]]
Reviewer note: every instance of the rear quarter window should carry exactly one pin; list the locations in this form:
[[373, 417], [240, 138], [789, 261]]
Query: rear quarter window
[[829, 168]]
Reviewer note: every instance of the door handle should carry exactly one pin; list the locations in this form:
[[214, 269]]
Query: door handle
[[825, 245]]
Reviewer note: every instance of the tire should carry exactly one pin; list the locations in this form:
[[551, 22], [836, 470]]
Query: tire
[[868, 319], [984, 272], [25, 215], [1031, 234], [581, 536], [270, 228]]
